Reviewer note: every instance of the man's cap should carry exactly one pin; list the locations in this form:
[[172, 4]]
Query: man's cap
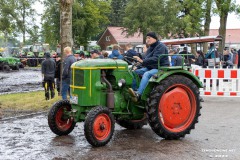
[[94, 51], [47, 54], [153, 35]]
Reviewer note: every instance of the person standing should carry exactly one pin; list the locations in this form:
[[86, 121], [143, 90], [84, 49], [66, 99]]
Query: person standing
[[211, 52], [58, 72], [95, 54], [129, 53], [48, 73], [188, 56], [176, 60], [66, 74], [150, 63], [115, 53], [199, 59]]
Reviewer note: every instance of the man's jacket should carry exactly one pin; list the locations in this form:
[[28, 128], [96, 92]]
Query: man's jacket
[[66, 75], [48, 68], [152, 56]]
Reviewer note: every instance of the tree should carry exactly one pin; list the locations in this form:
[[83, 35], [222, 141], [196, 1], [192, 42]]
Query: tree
[[90, 18], [51, 22], [6, 26], [166, 17], [66, 23], [117, 12], [208, 6], [191, 19], [144, 17], [20, 14], [223, 8]]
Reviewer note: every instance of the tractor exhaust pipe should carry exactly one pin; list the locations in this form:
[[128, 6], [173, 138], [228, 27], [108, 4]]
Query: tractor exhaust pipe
[[110, 94]]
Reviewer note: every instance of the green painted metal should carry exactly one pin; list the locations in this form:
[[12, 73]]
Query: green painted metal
[[90, 90], [87, 85], [41, 54], [10, 61], [30, 54], [169, 71]]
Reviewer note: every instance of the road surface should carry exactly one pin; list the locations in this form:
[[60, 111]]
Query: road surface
[[216, 136]]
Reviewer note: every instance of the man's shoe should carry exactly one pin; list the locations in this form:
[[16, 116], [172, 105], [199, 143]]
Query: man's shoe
[[135, 95], [131, 92]]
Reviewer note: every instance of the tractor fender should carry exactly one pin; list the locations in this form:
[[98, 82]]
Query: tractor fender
[[163, 75]]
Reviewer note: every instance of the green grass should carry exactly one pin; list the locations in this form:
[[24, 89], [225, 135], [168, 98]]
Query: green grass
[[27, 101]]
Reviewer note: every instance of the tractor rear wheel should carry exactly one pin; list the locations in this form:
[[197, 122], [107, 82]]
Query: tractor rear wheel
[[132, 124], [174, 107], [60, 123], [99, 126]]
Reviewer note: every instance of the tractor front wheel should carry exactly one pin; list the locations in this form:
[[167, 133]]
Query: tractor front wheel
[[99, 126], [174, 107], [58, 121], [6, 68]]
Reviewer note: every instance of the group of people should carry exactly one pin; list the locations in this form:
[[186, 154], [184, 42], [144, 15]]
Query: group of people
[[51, 70], [228, 58], [148, 60]]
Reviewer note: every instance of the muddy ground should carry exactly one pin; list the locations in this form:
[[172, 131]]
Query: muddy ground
[[216, 136], [24, 80]]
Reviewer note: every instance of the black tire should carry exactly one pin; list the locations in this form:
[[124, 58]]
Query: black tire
[[132, 124], [174, 107], [21, 65], [59, 124], [99, 126], [6, 68], [15, 67], [33, 62]]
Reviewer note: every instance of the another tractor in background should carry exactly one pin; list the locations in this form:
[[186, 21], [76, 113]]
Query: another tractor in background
[[36, 54]]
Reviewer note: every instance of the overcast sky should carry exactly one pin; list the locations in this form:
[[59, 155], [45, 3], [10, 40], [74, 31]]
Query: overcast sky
[[233, 20]]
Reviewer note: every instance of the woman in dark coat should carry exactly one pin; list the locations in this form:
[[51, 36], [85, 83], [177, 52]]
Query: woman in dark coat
[[200, 59]]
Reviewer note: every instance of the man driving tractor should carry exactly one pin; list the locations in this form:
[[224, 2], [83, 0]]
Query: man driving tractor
[[150, 63]]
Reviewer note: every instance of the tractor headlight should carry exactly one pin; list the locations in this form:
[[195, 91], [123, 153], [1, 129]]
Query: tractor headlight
[[121, 82]]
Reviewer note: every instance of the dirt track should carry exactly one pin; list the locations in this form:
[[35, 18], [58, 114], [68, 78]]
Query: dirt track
[[24, 80], [215, 137]]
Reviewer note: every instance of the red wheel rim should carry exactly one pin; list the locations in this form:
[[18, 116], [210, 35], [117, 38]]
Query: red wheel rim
[[177, 108], [102, 126], [62, 122]]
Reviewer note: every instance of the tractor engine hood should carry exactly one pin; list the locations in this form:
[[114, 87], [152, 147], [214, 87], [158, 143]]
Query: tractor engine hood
[[100, 64]]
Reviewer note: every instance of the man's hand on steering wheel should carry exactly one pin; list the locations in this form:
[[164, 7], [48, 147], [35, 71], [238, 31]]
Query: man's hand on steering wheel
[[138, 59]]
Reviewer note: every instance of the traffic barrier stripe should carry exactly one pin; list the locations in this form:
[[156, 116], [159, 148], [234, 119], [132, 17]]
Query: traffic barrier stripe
[[217, 73], [219, 82]]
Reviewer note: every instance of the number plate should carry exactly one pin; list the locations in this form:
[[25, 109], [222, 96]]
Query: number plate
[[74, 100]]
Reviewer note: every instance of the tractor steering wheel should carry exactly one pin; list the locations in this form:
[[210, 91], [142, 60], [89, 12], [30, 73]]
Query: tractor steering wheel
[[134, 62]]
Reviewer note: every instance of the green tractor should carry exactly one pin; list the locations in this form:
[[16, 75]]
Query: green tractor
[[99, 97], [36, 54], [8, 63]]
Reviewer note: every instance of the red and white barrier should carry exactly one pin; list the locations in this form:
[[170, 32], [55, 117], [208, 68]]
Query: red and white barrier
[[219, 82]]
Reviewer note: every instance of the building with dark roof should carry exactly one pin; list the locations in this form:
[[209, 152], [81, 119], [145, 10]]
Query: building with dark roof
[[117, 35]]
